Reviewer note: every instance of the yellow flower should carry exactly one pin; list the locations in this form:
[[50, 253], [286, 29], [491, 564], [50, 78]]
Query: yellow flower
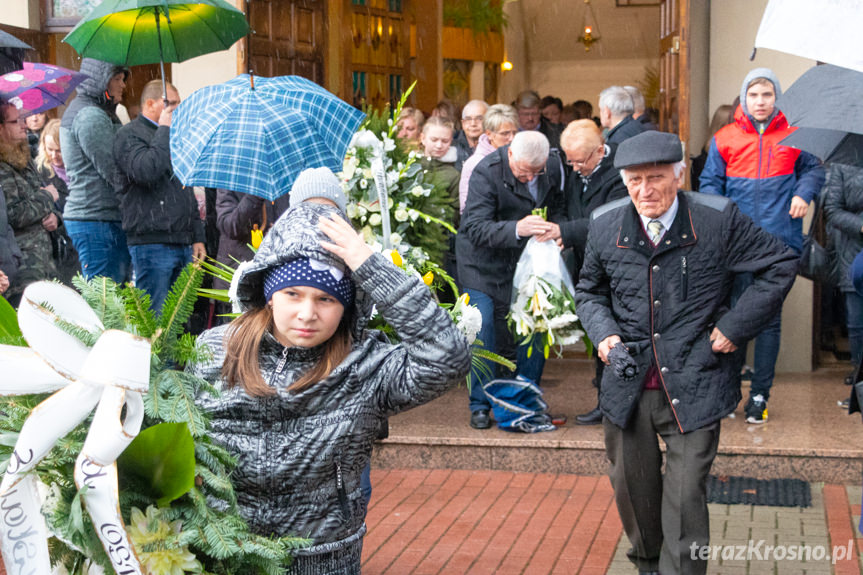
[[466, 298], [257, 236], [397, 258], [428, 278]]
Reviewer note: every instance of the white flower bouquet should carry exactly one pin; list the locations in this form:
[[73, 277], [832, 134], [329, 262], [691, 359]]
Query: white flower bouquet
[[542, 312]]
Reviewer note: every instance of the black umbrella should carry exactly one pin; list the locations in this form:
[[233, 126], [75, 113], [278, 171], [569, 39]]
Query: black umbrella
[[829, 145], [12, 53], [826, 97]]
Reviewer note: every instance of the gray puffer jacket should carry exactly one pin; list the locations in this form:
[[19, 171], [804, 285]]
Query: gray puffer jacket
[[301, 454], [87, 139]]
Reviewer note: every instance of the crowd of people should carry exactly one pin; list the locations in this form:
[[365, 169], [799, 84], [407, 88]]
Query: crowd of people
[[679, 280]]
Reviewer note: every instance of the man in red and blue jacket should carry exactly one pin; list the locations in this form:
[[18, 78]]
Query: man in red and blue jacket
[[773, 185]]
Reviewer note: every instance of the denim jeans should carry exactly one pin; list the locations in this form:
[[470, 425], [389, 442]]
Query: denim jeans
[[767, 344], [496, 337], [101, 248], [157, 267], [854, 322]]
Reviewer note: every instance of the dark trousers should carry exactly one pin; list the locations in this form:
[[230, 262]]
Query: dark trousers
[[663, 515]]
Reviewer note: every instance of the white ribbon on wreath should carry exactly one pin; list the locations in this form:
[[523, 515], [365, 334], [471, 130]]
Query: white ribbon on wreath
[[110, 375]]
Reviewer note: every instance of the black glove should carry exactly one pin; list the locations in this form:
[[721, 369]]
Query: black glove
[[622, 363]]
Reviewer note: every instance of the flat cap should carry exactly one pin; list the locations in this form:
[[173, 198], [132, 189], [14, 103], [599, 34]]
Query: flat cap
[[649, 147]]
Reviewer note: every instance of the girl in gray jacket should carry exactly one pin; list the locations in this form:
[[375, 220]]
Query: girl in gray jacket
[[304, 386]]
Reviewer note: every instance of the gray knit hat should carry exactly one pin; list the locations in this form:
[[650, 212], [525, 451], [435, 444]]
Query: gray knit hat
[[318, 183]]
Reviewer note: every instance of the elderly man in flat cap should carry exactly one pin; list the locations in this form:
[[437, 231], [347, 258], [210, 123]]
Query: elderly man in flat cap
[[655, 288]]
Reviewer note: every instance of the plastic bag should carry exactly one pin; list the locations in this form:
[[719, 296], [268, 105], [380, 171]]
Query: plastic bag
[[518, 405], [543, 260]]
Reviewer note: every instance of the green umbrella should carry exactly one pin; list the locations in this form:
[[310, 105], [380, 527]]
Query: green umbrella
[[134, 32]]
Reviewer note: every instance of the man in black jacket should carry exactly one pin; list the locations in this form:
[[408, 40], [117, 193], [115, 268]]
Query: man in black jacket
[[657, 279], [615, 114], [593, 182], [163, 226], [505, 187]]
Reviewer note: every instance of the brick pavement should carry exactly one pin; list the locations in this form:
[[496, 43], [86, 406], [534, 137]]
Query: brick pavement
[[484, 522]]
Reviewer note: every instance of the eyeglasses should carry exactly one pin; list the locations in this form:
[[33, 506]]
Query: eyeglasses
[[529, 173], [580, 163], [471, 119]]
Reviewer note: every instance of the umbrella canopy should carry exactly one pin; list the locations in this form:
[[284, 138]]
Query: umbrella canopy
[[12, 51], [824, 31], [829, 145], [826, 97], [134, 32], [257, 138], [38, 87]]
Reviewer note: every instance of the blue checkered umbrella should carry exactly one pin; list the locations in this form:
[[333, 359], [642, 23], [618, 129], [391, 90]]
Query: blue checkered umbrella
[[257, 137]]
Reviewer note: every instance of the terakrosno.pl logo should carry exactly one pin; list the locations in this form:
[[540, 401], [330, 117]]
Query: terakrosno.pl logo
[[762, 551]]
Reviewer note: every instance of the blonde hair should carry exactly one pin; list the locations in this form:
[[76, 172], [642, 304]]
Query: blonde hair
[[243, 345], [43, 161], [437, 121], [586, 132]]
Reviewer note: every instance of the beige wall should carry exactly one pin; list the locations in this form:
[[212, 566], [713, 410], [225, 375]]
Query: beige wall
[[514, 81], [205, 70], [733, 26], [572, 80], [20, 13]]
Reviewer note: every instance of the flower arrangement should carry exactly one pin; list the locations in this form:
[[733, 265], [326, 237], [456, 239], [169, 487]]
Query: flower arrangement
[[542, 312], [420, 213], [543, 315]]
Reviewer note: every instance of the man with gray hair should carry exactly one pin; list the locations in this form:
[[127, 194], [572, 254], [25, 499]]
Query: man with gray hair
[[615, 115], [639, 106], [505, 188], [467, 138], [530, 118], [654, 295]]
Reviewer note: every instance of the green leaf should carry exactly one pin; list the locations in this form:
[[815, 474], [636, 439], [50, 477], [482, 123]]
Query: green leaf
[[164, 456], [10, 333]]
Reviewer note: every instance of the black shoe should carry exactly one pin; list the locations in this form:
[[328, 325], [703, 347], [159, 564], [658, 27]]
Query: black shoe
[[648, 573], [479, 419], [592, 417]]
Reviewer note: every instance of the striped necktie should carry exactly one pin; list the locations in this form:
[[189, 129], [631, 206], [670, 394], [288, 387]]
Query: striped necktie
[[655, 228]]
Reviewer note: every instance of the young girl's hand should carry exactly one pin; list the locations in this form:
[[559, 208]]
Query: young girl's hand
[[346, 243]]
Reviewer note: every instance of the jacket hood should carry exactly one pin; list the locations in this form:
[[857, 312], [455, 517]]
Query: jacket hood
[[760, 73], [295, 234], [92, 91], [98, 74]]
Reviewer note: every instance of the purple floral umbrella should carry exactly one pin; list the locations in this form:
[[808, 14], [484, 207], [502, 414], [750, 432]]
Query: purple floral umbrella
[[38, 87]]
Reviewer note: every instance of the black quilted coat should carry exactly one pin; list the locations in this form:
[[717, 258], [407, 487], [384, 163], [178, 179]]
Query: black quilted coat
[[667, 301]]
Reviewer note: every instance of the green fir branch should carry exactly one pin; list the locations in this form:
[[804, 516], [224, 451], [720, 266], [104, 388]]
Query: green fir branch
[[137, 304], [178, 307]]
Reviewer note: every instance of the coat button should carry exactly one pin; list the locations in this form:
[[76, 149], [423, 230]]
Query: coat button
[[625, 238], [656, 303], [656, 268], [656, 337], [641, 242], [664, 369], [675, 402]]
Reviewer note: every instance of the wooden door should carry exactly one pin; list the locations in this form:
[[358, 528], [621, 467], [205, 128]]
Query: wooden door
[[674, 71], [287, 38]]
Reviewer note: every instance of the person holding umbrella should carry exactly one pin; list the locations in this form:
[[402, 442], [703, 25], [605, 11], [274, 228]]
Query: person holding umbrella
[[304, 387], [163, 227], [92, 209]]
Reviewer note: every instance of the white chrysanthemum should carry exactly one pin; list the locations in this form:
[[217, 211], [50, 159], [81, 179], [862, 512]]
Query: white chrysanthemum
[[389, 144], [395, 238], [417, 191], [375, 219], [352, 211], [364, 184], [401, 215], [368, 174], [470, 322], [365, 139], [363, 210]]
